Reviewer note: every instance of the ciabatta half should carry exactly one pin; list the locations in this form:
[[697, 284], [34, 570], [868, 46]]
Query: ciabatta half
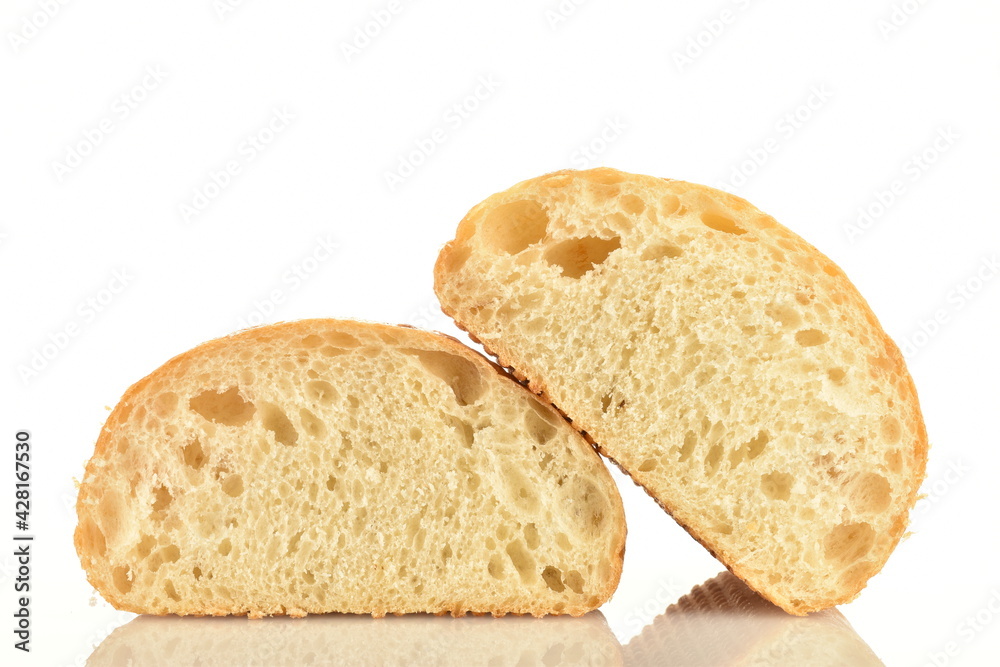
[[724, 363], [331, 466]]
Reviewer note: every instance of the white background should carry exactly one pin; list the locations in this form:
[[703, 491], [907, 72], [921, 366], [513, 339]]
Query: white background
[[813, 111]]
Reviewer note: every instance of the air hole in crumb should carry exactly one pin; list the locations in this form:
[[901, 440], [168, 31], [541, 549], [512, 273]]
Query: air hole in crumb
[[171, 592], [577, 257], [458, 372], [514, 226], [574, 580], [786, 316], [647, 465], [604, 176], [225, 547], [93, 537], [457, 258], [660, 251], [540, 429], [308, 577], [320, 391], [341, 339], [810, 337], [312, 340], [311, 424], [531, 536], [522, 559], [165, 404], [632, 204], [871, 493], [161, 499], [196, 573], [777, 485], [669, 204], [756, 446], [553, 579], [849, 542], [496, 566], [690, 440], [713, 459], [145, 546], [227, 408], [892, 430], [466, 434], [721, 223], [194, 455], [836, 375], [277, 422], [122, 577], [233, 486]]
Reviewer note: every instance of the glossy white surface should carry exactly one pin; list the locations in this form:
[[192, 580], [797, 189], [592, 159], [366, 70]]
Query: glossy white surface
[[808, 110]]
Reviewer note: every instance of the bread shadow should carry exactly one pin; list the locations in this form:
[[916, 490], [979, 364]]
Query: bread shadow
[[339, 639], [723, 622]]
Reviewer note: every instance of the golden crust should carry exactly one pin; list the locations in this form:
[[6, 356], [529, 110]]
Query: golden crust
[[86, 504], [891, 360]]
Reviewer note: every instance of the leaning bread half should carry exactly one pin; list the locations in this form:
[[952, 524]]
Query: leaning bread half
[[724, 363], [332, 466]]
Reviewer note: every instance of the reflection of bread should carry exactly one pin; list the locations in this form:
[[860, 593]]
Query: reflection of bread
[[727, 366], [353, 640], [323, 465], [722, 622]]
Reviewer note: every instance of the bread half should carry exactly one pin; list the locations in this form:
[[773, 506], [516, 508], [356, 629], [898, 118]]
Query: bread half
[[745, 630], [357, 641], [323, 465], [724, 363]]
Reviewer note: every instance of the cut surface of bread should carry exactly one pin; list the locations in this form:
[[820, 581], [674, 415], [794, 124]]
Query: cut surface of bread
[[745, 630], [334, 466], [725, 364], [355, 641]]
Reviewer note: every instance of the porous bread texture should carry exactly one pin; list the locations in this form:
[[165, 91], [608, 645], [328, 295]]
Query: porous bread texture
[[720, 360], [357, 641], [746, 631], [322, 465]]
